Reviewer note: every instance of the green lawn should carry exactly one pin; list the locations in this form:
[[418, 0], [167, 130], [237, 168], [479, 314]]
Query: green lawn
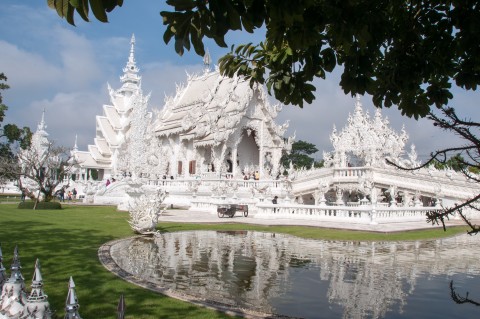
[[66, 241]]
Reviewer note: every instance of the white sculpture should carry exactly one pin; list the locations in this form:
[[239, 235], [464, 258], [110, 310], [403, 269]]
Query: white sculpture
[[365, 141], [145, 211]]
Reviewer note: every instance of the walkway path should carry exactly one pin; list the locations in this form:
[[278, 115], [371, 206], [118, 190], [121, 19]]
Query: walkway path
[[186, 216]]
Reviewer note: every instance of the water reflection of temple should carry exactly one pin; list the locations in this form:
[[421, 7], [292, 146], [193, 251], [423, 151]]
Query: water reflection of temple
[[249, 269]]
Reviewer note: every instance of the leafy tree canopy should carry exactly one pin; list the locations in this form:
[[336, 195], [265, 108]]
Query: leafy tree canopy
[[299, 156], [405, 53]]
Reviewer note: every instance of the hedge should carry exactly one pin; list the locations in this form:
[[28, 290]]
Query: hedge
[[40, 205]]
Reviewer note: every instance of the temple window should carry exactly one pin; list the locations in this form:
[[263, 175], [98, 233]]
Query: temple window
[[191, 167]]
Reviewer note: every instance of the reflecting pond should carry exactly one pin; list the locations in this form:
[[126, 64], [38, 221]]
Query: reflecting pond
[[291, 276]]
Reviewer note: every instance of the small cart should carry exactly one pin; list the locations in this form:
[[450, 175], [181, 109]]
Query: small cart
[[229, 210]]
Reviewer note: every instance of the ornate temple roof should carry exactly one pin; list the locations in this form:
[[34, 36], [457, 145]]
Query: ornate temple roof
[[210, 106]]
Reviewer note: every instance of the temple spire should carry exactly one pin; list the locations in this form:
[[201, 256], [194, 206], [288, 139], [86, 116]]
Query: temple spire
[[71, 305], [130, 77]]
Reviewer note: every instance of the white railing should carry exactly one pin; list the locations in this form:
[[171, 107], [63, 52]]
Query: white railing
[[370, 214], [185, 183], [350, 171]]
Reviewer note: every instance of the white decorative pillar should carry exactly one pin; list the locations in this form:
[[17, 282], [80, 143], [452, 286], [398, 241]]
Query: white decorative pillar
[[234, 162], [339, 194], [373, 214], [261, 155]]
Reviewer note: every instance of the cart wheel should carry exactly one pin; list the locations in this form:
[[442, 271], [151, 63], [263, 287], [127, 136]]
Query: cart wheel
[[245, 213], [220, 214]]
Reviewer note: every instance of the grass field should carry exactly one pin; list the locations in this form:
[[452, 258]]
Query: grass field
[[67, 240]]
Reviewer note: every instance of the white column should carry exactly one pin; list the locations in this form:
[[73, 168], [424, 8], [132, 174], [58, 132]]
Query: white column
[[260, 155], [234, 161]]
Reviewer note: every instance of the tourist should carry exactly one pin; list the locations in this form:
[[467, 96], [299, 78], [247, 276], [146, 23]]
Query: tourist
[[257, 175], [62, 194], [108, 183], [69, 195], [23, 194], [74, 193], [113, 180], [275, 201]]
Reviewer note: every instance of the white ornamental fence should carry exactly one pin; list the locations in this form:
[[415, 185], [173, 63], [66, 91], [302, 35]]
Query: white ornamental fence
[[369, 214]]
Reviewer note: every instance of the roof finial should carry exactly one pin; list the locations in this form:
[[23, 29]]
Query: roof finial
[[358, 104], [207, 60], [41, 125], [131, 58], [75, 147]]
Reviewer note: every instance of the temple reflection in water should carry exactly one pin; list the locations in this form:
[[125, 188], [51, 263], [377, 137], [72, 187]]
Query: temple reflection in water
[[264, 271]]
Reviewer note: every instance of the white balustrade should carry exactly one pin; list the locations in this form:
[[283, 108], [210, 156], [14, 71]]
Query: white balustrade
[[359, 214], [350, 171]]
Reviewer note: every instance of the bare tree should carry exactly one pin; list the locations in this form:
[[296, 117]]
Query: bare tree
[[465, 157], [40, 171]]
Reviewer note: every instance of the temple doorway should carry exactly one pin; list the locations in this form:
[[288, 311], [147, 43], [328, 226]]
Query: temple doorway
[[248, 152]]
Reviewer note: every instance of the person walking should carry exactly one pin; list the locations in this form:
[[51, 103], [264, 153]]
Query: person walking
[[74, 193], [62, 194], [275, 201], [24, 194]]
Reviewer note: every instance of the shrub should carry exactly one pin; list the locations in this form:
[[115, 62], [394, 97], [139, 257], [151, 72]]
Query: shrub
[[40, 205]]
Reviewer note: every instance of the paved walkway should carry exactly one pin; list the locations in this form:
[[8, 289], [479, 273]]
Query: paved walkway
[[186, 216]]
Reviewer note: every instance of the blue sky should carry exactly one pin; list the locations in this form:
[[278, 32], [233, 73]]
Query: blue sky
[[65, 69]]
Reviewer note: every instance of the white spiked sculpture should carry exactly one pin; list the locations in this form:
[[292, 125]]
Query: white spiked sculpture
[[13, 297], [3, 274], [37, 305], [71, 305], [144, 212]]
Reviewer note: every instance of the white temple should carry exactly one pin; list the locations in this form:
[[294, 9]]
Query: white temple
[[209, 140], [214, 125]]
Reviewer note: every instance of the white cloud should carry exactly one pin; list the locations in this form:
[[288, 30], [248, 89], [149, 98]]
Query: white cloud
[[26, 70], [70, 114]]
